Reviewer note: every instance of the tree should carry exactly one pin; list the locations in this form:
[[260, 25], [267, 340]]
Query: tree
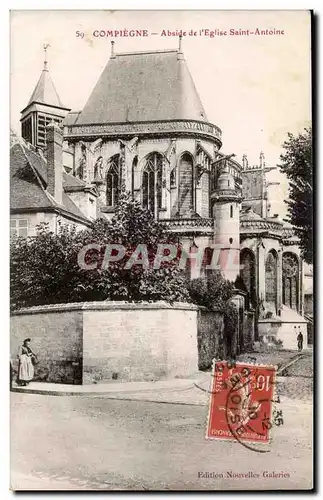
[[215, 292], [297, 164], [44, 268]]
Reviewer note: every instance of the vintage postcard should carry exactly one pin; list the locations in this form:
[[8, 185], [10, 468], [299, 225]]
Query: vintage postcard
[[161, 175]]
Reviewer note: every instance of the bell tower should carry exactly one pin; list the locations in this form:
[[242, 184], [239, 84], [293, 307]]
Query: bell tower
[[226, 212], [44, 106]]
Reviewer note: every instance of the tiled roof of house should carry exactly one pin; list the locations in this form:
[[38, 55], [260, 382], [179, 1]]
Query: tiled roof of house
[[70, 206], [70, 181], [28, 182], [145, 86], [39, 163], [25, 187]]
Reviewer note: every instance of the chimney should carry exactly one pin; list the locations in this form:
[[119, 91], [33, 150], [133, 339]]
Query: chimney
[[55, 161]]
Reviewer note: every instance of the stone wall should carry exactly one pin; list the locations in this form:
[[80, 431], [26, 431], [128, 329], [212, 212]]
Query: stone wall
[[96, 341], [56, 333], [209, 337], [148, 341]]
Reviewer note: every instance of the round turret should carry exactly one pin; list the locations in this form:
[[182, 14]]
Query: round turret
[[225, 181], [226, 207]]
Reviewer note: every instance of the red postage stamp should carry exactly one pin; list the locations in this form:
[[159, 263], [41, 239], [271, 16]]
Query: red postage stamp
[[241, 402]]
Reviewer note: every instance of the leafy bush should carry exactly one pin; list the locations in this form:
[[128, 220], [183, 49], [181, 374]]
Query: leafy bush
[[45, 270], [215, 292]]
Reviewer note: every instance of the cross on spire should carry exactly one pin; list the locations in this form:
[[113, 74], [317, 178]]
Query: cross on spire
[[45, 46]]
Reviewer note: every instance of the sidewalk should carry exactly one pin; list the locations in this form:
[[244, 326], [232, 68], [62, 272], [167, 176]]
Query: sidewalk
[[180, 392], [177, 390], [193, 391]]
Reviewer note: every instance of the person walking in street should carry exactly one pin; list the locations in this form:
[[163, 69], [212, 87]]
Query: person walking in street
[[300, 340], [25, 364]]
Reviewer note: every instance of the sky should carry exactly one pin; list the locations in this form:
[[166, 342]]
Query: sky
[[256, 88]]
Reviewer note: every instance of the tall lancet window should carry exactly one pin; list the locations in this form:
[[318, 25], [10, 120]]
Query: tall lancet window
[[271, 278], [152, 183], [113, 181]]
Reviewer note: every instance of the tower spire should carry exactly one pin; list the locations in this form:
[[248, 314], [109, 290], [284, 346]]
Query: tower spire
[[45, 46], [180, 43], [43, 107]]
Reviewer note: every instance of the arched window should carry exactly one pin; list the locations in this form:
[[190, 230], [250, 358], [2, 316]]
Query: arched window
[[81, 168], [271, 278], [185, 188], [134, 167], [173, 177], [290, 280], [152, 183], [231, 211], [113, 181], [248, 274]]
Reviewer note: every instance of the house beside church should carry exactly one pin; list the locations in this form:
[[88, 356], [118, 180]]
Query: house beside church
[[145, 126]]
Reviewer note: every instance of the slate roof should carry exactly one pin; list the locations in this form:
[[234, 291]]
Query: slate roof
[[39, 163], [71, 118], [45, 91], [248, 214], [28, 182], [25, 187], [144, 86]]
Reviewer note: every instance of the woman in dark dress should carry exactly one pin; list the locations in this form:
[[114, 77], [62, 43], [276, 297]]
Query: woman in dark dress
[[25, 365]]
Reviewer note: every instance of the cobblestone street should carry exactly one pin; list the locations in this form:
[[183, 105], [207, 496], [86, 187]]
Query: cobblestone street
[[295, 381], [297, 388]]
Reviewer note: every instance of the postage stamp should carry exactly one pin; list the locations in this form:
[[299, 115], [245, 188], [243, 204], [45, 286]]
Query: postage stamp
[[242, 399]]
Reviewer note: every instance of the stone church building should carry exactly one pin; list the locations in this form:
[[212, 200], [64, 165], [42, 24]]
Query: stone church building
[[145, 126]]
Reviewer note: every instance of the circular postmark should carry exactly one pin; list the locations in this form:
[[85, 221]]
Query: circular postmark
[[241, 399], [240, 417]]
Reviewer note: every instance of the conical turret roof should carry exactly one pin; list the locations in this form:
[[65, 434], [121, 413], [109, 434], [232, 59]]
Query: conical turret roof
[[45, 91], [144, 86]]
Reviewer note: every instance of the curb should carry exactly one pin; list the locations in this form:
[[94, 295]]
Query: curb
[[120, 398], [108, 394]]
